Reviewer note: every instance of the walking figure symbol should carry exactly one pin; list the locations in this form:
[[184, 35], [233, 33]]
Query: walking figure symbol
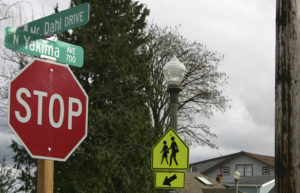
[[165, 152], [175, 150]]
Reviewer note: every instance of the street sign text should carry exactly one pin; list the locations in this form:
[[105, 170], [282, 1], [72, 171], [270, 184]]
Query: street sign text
[[32, 44], [59, 22], [41, 102]]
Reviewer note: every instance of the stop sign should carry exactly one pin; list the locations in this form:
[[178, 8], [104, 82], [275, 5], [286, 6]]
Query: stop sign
[[48, 110]]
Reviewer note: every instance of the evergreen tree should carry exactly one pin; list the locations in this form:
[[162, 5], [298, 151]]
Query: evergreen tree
[[115, 157]]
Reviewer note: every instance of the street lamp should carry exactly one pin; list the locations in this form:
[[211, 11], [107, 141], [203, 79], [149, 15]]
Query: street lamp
[[236, 176], [174, 72]]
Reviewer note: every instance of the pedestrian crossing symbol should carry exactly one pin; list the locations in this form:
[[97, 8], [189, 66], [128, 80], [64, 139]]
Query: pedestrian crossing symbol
[[170, 153]]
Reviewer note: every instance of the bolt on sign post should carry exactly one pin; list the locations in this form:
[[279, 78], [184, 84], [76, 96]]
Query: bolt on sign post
[[28, 43], [169, 158], [59, 22]]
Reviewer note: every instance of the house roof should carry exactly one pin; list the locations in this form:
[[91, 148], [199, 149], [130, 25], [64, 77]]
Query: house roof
[[269, 160], [192, 185], [264, 158], [253, 181]]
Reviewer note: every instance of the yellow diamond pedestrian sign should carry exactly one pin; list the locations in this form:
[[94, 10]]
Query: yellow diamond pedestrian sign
[[170, 153], [169, 180]]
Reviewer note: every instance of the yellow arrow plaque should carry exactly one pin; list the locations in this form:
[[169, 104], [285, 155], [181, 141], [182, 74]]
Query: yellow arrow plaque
[[169, 180], [170, 153]]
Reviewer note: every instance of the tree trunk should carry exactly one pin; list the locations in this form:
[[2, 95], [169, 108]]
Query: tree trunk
[[287, 97]]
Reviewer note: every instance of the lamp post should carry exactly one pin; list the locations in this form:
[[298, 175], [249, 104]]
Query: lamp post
[[236, 176], [174, 72]]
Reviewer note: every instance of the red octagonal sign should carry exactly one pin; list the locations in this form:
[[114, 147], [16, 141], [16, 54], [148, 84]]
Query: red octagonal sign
[[48, 110]]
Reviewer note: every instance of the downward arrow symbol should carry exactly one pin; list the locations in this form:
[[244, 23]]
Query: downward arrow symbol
[[169, 180]]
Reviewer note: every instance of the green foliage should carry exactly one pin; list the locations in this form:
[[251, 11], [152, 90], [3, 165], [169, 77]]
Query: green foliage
[[116, 155]]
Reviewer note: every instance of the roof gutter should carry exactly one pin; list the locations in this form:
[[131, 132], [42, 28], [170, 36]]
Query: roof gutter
[[248, 185], [268, 183], [253, 185]]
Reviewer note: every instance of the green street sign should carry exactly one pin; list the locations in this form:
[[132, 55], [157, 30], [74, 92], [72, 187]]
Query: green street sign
[[28, 43], [59, 22], [169, 180], [170, 153]]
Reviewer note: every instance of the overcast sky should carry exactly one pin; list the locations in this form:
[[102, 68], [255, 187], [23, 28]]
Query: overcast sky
[[244, 32]]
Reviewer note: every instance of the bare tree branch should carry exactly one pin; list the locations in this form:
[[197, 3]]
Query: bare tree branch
[[10, 13], [5, 13], [202, 85]]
